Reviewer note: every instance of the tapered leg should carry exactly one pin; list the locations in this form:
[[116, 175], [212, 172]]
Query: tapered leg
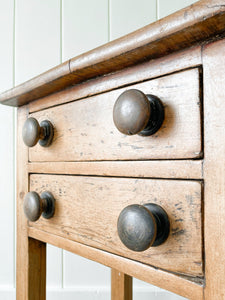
[[121, 286]]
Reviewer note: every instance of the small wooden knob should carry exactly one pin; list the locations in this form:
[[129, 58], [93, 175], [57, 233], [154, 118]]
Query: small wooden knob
[[34, 206], [137, 113], [33, 132], [142, 226]]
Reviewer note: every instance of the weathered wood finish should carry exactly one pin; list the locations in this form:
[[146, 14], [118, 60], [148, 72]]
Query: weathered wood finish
[[36, 270], [183, 29], [87, 209], [167, 59], [191, 288], [121, 286], [174, 62], [214, 169], [22, 261], [182, 169], [31, 254], [84, 130]]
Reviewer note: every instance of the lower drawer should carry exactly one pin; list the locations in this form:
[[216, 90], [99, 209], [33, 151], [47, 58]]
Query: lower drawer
[[87, 210]]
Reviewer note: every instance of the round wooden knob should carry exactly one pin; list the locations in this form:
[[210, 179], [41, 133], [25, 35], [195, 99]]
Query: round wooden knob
[[33, 132], [34, 206], [142, 226], [137, 113]]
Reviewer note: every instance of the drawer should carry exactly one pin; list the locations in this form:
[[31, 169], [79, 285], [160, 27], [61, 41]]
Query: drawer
[[84, 129], [87, 210]]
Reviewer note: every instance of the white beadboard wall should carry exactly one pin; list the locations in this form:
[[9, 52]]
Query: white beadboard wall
[[35, 36]]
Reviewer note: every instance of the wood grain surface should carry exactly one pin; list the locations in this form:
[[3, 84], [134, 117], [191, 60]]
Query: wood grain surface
[[22, 253], [172, 63], [30, 254], [183, 29], [191, 288], [37, 270], [214, 170], [87, 209], [78, 98], [182, 169], [121, 286], [84, 130]]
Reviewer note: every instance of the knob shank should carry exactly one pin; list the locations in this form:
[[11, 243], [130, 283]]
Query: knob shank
[[156, 117], [162, 223]]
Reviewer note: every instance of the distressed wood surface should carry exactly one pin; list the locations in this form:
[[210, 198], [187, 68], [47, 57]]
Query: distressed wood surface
[[30, 254], [182, 169], [121, 286], [214, 169], [177, 284], [87, 209], [169, 64], [22, 260], [84, 130], [37, 270], [183, 29]]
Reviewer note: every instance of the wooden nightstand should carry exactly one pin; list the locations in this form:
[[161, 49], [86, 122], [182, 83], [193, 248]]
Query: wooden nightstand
[[121, 159]]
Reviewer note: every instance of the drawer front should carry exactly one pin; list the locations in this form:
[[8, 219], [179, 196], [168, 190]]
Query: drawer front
[[87, 210], [84, 130]]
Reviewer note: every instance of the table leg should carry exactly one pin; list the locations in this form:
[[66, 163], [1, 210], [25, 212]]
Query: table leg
[[31, 253], [121, 286]]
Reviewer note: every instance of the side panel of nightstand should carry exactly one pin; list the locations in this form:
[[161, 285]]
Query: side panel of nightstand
[[31, 253], [214, 169]]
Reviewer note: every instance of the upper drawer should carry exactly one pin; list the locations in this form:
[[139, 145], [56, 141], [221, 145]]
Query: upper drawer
[[84, 130]]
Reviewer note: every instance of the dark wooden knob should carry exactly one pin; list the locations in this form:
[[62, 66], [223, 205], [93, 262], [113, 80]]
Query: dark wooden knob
[[137, 113], [33, 132], [34, 206], [142, 226]]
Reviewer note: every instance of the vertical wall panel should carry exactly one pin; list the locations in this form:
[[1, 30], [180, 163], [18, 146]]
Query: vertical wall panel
[[37, 37], [7, 223], [127, 16], [38, 48], [85, 26], [166, 7], [6, 49], [7, 197]]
